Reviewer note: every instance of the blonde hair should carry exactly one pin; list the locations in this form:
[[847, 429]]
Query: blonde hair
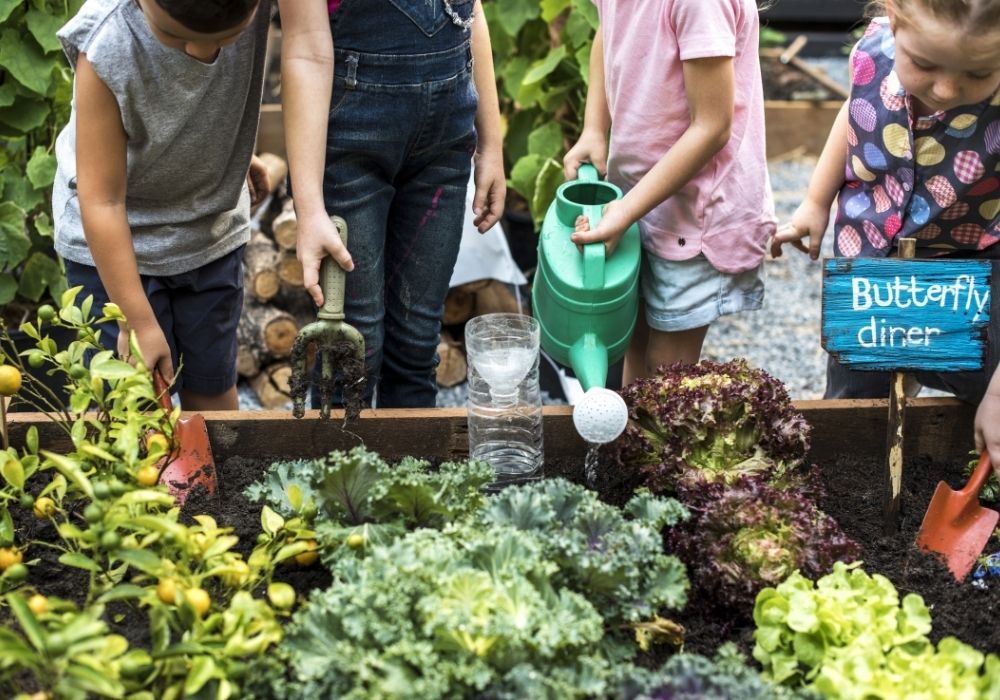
[[970, 15]]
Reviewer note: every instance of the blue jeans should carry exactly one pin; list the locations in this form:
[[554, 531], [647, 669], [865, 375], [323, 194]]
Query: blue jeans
[[844, 383], [399, 150]]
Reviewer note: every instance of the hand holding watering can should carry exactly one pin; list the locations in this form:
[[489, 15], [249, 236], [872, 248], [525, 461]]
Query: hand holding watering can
[[586, 298]]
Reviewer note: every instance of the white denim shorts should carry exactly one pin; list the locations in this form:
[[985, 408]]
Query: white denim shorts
[[685, 294]]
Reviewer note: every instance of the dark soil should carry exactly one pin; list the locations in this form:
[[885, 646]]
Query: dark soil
[[854, 499]]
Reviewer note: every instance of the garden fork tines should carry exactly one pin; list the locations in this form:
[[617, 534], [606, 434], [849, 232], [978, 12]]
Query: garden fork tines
[[340, 348]]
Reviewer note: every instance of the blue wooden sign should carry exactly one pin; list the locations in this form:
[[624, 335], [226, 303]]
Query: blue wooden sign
[[897, 315]]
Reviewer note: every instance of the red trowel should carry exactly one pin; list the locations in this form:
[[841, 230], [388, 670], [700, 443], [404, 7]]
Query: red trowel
[[190, 463], [955, 526]]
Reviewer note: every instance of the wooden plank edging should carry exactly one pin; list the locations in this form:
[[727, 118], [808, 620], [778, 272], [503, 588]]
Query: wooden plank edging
[[937, 427]]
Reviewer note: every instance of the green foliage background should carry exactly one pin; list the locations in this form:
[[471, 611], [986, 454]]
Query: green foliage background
[[35, 92], [541, 53]]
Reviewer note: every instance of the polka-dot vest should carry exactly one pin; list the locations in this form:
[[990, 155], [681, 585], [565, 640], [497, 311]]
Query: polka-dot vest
[[936, 178]]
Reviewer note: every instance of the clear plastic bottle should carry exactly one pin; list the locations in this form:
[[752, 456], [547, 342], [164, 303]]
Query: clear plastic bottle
[[505, 403]]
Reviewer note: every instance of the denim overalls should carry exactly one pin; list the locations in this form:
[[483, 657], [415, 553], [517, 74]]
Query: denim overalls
[[400, 142]]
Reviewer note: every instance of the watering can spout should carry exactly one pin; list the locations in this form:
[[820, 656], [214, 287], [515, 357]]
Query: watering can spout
[[589, 358]]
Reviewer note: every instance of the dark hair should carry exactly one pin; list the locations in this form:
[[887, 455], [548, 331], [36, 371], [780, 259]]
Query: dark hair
[[209, 16]]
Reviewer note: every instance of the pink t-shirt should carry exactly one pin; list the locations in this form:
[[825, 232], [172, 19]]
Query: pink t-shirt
[[726, 210]]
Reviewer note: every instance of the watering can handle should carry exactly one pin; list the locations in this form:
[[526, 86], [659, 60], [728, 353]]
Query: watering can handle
[[587, 173], [593, 253], [333, 280]]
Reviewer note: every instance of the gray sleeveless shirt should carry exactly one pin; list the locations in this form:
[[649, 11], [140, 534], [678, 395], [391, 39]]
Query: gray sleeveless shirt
[[190, 129]]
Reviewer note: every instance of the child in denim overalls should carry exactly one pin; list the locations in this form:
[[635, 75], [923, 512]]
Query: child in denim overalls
[[915, 152], [413, 103]]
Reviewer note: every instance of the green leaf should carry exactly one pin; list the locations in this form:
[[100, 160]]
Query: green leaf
[[40, 272], [41, 169], [8, 93], [203, 669], [8, 287], [13, 472], [144, 560], [543, 68], [270, 521], [110, 368], [553, 8], [6, 529], [43, 26], [79, 560], [7, 7], [14, 243], [124, 591], [25, 115], [32, 630], [546, 141], [515, 13], [26, 62], [18, 190], [524, 174], [546, 183]]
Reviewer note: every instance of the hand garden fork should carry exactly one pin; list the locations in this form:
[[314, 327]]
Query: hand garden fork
[[340, 348]]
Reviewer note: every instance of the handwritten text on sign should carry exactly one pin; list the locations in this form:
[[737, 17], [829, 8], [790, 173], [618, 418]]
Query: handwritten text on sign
[[893, 314]]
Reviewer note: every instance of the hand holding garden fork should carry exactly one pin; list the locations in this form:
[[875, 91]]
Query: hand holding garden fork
[[340, 348]]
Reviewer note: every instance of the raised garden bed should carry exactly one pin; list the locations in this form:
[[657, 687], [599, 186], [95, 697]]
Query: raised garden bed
[[848, 444]]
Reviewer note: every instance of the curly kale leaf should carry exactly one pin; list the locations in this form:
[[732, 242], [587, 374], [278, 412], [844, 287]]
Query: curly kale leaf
[[437, 614], [616, 562], [695, 677]]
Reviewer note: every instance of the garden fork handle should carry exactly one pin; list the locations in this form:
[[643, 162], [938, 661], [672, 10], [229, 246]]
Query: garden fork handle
[[333, 280]]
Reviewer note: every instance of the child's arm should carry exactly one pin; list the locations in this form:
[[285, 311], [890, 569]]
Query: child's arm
[[710, 97], [491, 184], [987, 424], [101, 187], [306, 80], [592, 146], [813, 215]]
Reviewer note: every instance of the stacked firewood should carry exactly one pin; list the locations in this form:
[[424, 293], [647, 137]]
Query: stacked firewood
[[276, 304]]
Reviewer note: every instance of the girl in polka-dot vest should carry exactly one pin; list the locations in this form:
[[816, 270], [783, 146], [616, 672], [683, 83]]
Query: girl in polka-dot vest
[[915, 152]]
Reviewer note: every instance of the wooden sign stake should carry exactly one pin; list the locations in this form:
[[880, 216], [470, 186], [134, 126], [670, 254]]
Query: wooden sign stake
[[894, 431]]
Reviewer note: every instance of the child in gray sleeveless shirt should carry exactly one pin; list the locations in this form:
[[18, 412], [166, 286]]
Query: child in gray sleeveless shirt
[[152, 195]]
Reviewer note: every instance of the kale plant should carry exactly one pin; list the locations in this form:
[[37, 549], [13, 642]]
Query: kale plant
[[708, 422], [437, 614], [695, 677], [357, 491], [613, 557]]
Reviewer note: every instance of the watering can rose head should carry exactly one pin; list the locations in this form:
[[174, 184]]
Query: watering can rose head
[[710, 422]]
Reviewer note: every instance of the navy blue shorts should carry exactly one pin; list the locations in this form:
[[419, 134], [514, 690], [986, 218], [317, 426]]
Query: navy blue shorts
[[198, 312]]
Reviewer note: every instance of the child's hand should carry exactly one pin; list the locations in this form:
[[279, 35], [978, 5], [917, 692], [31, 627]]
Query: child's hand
[[153, 346], [610, 228], [258, 181], [317, 239], [491, 190], [809, 220], [591, 148], [987, 427]]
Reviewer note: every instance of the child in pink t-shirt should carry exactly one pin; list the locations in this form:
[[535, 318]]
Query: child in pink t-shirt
[[677, 83]]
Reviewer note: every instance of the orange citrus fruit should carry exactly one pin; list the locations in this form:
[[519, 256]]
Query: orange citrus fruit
[[10, 380]]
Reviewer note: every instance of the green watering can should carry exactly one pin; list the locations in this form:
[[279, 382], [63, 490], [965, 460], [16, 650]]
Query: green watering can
[[586, 302]]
